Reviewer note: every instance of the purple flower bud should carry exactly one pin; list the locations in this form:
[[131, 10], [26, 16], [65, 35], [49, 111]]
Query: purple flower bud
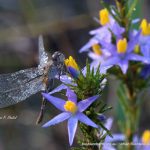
[[101, 117], [73, 72]]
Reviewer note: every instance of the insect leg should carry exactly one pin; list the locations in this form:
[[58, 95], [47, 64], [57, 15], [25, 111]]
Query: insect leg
[[44, 101], [41, 114]]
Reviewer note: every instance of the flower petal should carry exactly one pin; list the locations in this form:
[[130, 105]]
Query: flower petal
[[133, 41], [72, 127], [59, 118], [136, 57], [101, 117], [111, 61], [108, 125], [98, 30], [108, 146], [145, 49], [84, 71], [59, 88], [66, 79], [103, 69], [117, 30], [84, 119], [94, 64], [57, 102], [106, 36], [124, 66], [116, 138], [134, 21], [94, 56], [108, 46], [84, 104], [71, 95], [88, 45]]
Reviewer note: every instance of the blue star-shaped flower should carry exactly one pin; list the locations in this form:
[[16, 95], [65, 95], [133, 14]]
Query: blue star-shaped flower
[[122, 58], [72, 110]]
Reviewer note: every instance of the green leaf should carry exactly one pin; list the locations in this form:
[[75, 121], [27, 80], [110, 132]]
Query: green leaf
[[106, 109], [108, 132], [132, 7]]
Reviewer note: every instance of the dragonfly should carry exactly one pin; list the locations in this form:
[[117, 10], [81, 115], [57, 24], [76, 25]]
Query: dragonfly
[[18, 86]]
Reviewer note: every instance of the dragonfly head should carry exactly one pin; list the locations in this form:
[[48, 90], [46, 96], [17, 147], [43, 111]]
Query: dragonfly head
[[58, 58]]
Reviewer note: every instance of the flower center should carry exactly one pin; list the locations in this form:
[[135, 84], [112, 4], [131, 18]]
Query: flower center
[[145, 26], [104, 16], [122, 46], [97, 49], [70, 62], [70, 106], [137, 49], [146, 137]]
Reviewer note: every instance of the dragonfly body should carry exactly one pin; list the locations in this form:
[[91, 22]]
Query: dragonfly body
[[18, 86]]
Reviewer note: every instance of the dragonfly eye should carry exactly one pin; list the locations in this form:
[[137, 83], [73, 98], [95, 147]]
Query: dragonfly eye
[[58, 58]]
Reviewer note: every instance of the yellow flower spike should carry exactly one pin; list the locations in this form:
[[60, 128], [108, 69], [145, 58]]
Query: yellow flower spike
[[122, 46], [70, 106], [104, 16], [97, 49], [70, 62], [145, 26], [146, 137], [137, 49]]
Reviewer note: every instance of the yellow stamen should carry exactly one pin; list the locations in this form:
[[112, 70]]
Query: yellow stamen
[[122, 46], [145, 26], [97, 49], [137, 49], [70, 62], [104, 16], [70, 106], [146, 137]]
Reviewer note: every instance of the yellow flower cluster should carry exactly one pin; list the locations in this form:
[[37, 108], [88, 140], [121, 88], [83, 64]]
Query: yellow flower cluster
[[122, 45], [145, 26], [70, 62], [146, 137], [70, 106], [104, 16], [97, 49]]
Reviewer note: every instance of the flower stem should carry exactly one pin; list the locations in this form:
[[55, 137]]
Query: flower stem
[[131, 119], [128, 97], [125, 21], [130, 107], [89, 137]]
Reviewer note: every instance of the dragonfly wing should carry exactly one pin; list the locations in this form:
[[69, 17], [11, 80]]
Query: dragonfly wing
[[12, 80], [43, 56], [20, 93]]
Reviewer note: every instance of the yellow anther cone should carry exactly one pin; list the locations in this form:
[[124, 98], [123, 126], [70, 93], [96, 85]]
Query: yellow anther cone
[[122, 45], [104, 16]]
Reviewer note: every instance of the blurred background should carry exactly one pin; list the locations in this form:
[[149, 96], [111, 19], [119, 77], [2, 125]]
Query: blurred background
[[64, 25]]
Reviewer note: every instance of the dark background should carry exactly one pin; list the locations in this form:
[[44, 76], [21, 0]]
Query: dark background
[[65, 25]]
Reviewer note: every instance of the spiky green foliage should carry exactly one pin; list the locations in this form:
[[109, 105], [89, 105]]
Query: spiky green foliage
[[90, 84]]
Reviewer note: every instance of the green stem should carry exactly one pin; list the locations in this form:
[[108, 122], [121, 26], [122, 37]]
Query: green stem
[[88, 134], [132, 115], [129, 106], [125, 21], [130, 127]]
